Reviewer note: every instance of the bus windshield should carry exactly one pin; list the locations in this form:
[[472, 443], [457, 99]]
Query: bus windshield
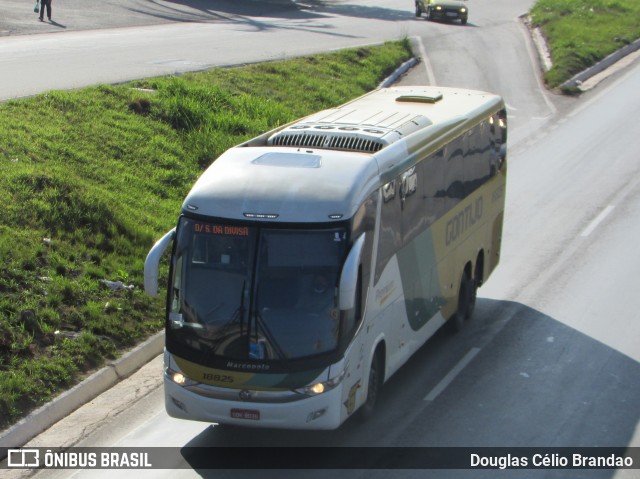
[[254, 293]]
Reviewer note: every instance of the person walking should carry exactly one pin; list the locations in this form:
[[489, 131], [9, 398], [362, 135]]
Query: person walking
[[45, 3]]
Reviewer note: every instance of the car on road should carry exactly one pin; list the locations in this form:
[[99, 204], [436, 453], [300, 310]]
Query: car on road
[[443, 10]]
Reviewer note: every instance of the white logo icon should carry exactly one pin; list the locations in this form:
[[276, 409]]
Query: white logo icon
[[23, 458]]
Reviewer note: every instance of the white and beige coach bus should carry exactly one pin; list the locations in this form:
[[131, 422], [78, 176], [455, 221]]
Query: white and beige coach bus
[[308, 264]]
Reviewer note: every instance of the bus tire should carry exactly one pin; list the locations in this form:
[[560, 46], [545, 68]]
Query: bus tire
[[373, 388], [473, 295], [456, 322]]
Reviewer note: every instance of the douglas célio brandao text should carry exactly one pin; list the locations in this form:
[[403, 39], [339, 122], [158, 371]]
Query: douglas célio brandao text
[[550, 460]]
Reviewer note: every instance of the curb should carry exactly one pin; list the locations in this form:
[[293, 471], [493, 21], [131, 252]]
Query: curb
[[602, 65], [401, 70], [576, 82], [63, 405]]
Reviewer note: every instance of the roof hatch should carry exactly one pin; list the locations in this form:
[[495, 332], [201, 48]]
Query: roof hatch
[[420, 98]]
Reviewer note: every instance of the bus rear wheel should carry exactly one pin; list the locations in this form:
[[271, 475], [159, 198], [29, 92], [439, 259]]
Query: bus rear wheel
[[466, 304], [473, 295]]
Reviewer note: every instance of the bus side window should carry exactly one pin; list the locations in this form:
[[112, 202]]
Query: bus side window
[[478, 156], [390, 237], [433, 186], [350, 320], [414, 217], [454, 172], [498, 124]]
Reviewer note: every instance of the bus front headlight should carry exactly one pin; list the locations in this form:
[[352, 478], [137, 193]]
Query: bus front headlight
[[179, 378], [322, 386]]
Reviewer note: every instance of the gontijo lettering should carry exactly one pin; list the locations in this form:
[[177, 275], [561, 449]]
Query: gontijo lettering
[[464, 220]]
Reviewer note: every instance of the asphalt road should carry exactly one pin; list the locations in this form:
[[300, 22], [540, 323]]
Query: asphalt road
[[551, 357], [18, 17], [161, 45]]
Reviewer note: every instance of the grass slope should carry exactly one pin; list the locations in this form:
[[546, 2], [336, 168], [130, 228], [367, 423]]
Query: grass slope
[[580, 33]]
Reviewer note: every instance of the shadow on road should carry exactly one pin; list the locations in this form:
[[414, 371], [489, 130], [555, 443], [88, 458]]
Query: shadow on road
[[264, 15], [257, 14], [289, 9], [534, 383]]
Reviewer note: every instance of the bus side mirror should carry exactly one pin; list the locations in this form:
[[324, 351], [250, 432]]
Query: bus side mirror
[[349, 276], [152, 263]]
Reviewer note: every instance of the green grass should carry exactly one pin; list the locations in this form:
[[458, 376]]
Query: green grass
[[90, 178], [582, 32]]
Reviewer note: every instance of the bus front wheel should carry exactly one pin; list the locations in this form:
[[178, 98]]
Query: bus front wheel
[[373, 388]]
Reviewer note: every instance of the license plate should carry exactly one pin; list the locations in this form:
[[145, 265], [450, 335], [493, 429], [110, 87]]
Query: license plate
[[245, 414], [452, 14]]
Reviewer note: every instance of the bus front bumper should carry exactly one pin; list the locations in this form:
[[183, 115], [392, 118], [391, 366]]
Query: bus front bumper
[[312, 412]]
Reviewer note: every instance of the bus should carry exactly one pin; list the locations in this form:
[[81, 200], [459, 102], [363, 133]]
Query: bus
[[309, 263]]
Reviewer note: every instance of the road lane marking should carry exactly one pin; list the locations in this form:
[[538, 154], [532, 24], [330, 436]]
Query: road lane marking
[[442, 385], [596, 221]]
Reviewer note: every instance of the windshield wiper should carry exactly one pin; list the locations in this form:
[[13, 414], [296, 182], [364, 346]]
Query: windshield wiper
[[223, 333], [260, 323]]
